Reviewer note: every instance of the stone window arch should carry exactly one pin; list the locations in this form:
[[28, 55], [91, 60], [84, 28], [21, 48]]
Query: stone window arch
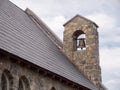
[[79, 40], [53, 88], [6, 80], [23, 83]]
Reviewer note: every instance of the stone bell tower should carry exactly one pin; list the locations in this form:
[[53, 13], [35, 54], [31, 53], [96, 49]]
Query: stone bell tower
[[81, 45]]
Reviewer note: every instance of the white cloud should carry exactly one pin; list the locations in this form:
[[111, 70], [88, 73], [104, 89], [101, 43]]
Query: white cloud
[[110, 67], [113, 84], [55, 23], [108, 29], [110, 58], [21, 3], [105, 22]]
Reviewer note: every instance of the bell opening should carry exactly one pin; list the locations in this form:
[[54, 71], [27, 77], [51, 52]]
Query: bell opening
[[81, 42]]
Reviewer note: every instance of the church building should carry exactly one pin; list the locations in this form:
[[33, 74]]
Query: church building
[[32, 57]]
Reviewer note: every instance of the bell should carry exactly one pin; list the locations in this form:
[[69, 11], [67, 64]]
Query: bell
[[81, 43]]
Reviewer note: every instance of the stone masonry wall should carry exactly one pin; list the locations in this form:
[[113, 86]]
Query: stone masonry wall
[[86, 60], [36, 80]]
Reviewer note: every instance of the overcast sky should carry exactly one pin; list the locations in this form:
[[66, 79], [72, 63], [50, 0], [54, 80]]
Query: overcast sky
[[106, 13]]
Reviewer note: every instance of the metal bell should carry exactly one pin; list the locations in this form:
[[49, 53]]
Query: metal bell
[[81, 43]]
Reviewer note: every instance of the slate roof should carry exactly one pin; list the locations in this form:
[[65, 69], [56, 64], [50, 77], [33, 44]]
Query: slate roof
[[20, 36]]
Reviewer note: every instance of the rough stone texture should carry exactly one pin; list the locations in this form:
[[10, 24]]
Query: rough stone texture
[[86, 60], [37, 81]]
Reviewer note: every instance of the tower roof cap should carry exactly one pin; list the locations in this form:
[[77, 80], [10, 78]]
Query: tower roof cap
[[82, 18]]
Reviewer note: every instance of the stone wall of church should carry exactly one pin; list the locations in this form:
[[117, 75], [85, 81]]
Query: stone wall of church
[[14, 75]]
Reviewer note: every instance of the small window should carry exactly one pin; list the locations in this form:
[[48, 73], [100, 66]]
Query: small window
[[6, 80], [23, 84], [52, 88], [79, 40]]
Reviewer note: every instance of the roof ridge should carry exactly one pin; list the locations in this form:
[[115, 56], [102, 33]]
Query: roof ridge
[[54, 38]]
